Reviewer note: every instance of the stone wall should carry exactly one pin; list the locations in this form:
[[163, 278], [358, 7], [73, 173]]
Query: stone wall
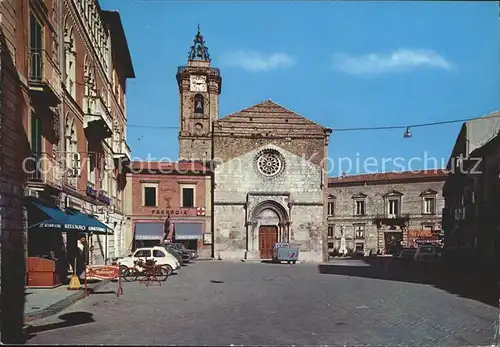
[[240, 189], [13, 143]]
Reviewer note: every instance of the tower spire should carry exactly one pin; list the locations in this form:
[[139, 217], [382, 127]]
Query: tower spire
[[198, 50]]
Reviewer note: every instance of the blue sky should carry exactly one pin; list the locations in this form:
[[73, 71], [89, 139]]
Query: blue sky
[[342, 64]]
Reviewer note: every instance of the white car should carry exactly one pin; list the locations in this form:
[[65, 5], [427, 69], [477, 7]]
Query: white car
[[428, 254], [159, 254]]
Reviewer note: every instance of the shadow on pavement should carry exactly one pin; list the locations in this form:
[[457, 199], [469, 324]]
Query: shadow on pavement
[[268, 262], [478, 287], [104, 292], [68, 320]]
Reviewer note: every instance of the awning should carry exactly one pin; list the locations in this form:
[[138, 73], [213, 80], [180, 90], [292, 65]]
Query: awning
[[53, 214], [149, 231], [187, 231], [82, 221], [71, 220]]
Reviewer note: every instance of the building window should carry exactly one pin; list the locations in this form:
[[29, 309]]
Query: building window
[[70, 57], [393, 207], [359, 231], [91, 165], [331, 231], [36, 136], [150, 196], [198, 103], [331, 208], [360, 207], [188, 196], [429, 205], [35, 49], [73, 163], [104, 174], [114, 190], [330, 245]]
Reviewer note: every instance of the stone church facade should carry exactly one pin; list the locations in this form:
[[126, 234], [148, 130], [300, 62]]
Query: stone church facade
[[270, 181]]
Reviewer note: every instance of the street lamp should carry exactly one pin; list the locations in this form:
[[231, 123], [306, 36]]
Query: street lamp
[[407, 133]]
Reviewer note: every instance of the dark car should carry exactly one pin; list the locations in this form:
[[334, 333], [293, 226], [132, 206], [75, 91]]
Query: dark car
[[191, 252], [181, 258], [185, 256], [407, 254]]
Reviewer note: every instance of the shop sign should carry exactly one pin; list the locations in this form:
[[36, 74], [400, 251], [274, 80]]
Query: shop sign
[[104, 272], [171, 212], [207, 239], [103, 198], [417, 234], [91, 191]]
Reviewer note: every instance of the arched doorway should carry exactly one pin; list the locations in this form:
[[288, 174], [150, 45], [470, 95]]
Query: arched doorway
[[270, 225]]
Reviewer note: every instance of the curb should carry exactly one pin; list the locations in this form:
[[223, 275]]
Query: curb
[[266, 261], [60, 305]]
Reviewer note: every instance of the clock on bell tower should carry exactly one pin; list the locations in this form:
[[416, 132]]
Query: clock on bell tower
[[199, 89]]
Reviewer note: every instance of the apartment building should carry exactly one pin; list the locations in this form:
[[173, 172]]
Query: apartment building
[[65, 64], [470, 218], [382, 212], [180, 192]]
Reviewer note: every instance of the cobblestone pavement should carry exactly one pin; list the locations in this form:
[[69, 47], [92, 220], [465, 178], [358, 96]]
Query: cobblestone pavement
[[222, 303]]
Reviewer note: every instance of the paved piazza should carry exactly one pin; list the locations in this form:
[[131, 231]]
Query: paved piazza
[[223, 303]]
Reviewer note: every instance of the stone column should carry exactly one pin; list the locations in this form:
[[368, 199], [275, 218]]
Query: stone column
[[253, 245]]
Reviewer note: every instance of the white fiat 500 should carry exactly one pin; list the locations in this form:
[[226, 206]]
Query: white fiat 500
[[159, 254]]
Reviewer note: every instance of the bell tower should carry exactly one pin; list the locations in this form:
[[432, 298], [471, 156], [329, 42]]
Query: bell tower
[[199, 89]]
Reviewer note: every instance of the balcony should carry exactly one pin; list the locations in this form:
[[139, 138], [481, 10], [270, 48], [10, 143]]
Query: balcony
[[97, 119], [43, 170], [44, 77], [401, 219], [122, 151]]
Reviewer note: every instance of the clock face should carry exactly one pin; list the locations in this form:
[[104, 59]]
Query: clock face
[[198, 83]]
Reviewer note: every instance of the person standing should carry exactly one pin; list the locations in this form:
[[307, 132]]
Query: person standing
[[82, 257]]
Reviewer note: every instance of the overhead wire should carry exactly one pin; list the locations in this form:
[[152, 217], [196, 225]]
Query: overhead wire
[[390, 127]]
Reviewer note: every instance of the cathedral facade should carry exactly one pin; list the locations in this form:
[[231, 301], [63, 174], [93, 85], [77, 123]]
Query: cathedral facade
[[270, 180]]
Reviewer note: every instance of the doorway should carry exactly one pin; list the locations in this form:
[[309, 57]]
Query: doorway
[[393, 242], [268, 236]]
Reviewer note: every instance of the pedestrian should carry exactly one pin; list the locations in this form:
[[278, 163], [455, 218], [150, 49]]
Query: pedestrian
[[82, 255]]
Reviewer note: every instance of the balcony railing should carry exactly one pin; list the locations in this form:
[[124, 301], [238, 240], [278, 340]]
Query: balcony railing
[[44, 169], [43, 76], [198, 69], [122, 150], [97, 113], [393, 216]]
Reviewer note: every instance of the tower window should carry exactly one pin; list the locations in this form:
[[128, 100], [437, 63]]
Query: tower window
[[198, 103]]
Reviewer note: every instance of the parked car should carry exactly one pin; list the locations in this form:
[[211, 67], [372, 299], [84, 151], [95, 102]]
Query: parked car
[[407, 254], [181, 257], [193, 254], [159, 254], [428, 253]]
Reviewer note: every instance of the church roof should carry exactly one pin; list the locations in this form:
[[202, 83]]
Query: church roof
[[268, 116]]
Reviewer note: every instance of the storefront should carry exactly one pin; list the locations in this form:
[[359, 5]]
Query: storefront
[[418, 237], [189, 234], [148, 234], [47, 246]]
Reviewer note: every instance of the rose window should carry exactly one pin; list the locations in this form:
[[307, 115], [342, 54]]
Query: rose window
[[269, 163]]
